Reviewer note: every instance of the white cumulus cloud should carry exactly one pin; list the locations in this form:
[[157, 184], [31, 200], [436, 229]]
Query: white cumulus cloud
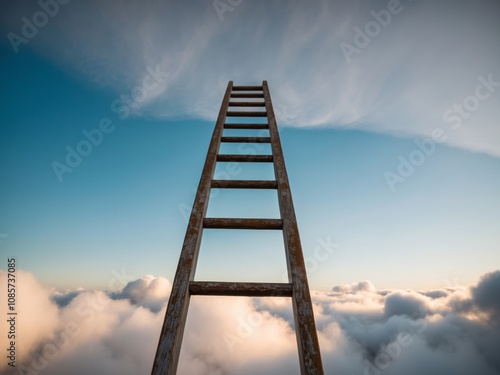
[[361, 330]]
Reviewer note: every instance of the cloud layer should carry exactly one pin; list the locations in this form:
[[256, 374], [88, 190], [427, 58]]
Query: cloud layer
[[415, 62], [361, 330]]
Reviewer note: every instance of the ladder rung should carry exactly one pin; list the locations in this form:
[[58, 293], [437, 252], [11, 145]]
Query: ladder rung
[[245, 158], [246, 95], [246, 126], [246, 139], [233, 223], [246, 114], [247, 104], [247, 88], [244, 184], [216, 288]]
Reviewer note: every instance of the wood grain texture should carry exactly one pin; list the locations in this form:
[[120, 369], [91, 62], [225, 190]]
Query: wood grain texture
[[246, 139], [184, 286], [305, 327], [246, 114], [215, 288], [247, 104], [169, 345], [246, 126], [233, 223], [245, 158], [247, 88], [244, 184], [247, 95]]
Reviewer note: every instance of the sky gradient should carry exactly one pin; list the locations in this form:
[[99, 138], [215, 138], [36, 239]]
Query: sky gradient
[[132, 193], [389, 118]]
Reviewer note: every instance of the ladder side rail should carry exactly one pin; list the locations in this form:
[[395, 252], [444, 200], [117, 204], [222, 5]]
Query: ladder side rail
[[169, 345], [305, 327]]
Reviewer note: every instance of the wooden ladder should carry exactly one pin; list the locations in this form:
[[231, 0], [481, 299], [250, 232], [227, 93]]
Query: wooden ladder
[[184, 286]]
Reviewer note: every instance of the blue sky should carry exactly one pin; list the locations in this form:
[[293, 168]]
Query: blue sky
[[344, 127]]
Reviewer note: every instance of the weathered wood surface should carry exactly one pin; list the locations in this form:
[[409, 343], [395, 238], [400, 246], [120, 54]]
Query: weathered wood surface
[[305, 327], [216, 288], [244, 184], [184, 286], [246, 139], [247, 88], [233, 223], [246, 114], [247, 104], [247, 95], [245, 158], [246, 126], [169, 345]]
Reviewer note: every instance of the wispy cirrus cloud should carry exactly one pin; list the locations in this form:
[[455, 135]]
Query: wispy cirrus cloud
[[401, 80]]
